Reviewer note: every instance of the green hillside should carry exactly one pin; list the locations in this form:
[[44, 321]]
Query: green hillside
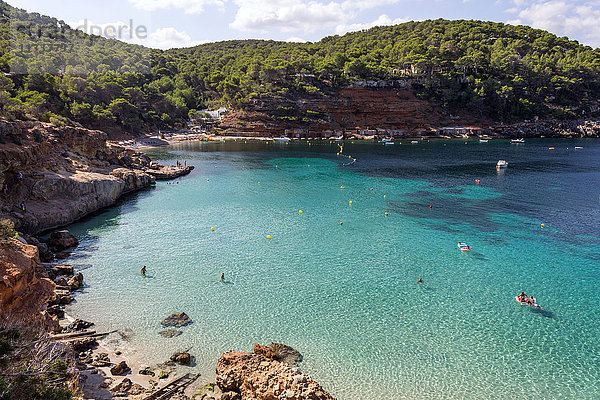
[[492, 70]]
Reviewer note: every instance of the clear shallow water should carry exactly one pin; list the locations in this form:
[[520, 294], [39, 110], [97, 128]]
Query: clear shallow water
[[346, 295]]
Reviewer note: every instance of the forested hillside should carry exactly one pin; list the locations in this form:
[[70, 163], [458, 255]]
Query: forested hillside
[[502, 72]]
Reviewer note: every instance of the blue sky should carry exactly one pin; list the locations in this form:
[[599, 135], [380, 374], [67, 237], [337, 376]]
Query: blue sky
[[181, 23]]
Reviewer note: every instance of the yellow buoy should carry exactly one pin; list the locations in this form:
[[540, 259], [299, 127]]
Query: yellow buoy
[[542, 225], [350, 201], [384, 196], [212, 229], [386, 214], [269, 237], [341, 223], [259, 182], [300, 211]]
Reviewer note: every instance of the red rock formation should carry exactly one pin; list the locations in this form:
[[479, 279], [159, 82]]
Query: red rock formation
[[22, 293], [254, 376], [395, 110]]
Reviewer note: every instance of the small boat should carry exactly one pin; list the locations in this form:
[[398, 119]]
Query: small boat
[[517, 141], [483, 140], [529, 301], [463, 246], [501, 164], [578, 147], [414, 142], [282, 139]]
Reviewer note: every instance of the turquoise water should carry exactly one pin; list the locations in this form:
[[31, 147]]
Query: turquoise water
[[345, 295]]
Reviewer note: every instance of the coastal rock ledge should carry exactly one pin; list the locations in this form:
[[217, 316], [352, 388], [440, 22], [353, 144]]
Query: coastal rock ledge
[[252, 376]]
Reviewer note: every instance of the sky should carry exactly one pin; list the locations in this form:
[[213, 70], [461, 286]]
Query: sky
[[183, 23]]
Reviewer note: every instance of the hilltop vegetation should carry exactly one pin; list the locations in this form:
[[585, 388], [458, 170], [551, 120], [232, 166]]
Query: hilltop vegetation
[[490, 69]]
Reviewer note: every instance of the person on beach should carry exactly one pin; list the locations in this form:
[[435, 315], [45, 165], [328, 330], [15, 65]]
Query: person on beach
[[143, 271], [223, 277], [420, 280]]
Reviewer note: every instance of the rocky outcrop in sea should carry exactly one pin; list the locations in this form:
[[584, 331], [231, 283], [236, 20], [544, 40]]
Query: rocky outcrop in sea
[[264, 374]]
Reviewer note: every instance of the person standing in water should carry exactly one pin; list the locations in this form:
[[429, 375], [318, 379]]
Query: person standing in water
[[420, 280], [223, 277], [143, 271]]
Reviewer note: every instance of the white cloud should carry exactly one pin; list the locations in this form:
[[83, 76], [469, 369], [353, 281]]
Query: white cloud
[[189, 6], [383, 20], [168, 38], [563, 18], [286, 15], [295, 39], [360, 5]]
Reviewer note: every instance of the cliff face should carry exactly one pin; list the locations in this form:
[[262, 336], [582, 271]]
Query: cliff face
[[51, 176], [22, 292], [395, 110], [389, 111]]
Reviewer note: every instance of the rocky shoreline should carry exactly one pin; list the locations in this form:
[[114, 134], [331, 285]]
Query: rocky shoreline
[[52, 176], [32, 290]]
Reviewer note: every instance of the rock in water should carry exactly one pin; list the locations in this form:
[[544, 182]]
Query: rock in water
[[76, 282], [77, 325], [170, 333], [182, 358], [286, 354], [61, 240], [84, 344], [177, 320], [120, 369]]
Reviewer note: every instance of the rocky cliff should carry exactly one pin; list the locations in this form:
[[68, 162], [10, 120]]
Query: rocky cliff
[[51, 176], [395, 110], [383, 111], [23, 293]]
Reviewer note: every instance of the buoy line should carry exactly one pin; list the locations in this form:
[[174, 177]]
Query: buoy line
[[339, 154]]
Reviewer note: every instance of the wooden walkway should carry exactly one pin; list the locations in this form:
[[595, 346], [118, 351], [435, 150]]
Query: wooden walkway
[[172, 387]]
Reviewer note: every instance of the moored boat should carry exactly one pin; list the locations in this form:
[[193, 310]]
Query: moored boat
[[502, 164], [517, 141]]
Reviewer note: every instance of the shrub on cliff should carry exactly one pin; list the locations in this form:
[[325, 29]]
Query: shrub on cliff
[[32, 368], [7, 230]]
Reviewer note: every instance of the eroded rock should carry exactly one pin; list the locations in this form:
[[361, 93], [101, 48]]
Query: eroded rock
[[254, 376], [62, 240], [77, 325], [170, 333], [120, 369], [183, 358], [177, 320]]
